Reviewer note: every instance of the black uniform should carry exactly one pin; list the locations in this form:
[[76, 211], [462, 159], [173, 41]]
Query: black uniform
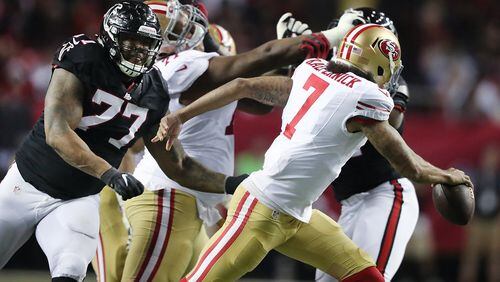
[[367, 171], [111, 112]]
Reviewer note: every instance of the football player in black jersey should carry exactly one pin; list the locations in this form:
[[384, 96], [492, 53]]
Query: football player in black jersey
[[102, 96]]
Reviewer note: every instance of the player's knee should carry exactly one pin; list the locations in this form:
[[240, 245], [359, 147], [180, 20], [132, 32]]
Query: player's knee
[[69, 265], [369, 274]]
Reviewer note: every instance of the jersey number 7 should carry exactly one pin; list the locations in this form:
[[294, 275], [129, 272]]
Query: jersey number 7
[[319, 86]]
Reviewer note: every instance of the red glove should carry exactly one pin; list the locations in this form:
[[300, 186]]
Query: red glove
[[315, 46]]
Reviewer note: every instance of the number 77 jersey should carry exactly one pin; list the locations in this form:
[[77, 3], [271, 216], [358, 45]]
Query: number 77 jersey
[[114, 116], [314, 143]]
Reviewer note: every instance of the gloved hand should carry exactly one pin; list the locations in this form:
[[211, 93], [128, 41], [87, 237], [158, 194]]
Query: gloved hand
[[346, 22], [288, 26], [123, 183]]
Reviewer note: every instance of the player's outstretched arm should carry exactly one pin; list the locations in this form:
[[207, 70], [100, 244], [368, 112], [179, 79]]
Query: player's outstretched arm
[[267, 57], [63, 112], [404, 160], [183, 169], [269, 90], [255, 62]]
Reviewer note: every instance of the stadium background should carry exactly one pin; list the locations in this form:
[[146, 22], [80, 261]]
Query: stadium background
[[451, 57]]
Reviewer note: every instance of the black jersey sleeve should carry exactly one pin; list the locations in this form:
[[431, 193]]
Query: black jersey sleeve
[[81, 56]]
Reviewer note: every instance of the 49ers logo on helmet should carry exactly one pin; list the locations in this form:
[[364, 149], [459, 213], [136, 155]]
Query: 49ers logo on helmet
[[389, 47]]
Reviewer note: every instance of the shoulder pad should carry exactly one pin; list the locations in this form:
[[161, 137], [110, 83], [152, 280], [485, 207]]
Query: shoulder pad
[[78, 49]]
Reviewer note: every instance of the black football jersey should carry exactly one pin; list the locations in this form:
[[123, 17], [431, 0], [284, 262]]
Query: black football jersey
[[115, 115], [366, 169]]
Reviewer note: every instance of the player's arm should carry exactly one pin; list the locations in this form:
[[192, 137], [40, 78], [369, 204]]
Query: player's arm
[[270, 55], [128, 162], [396, 118], [402, 158], [183, 169], [270, 90], [63, 112]]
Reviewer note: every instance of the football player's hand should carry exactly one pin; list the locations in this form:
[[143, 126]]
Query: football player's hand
[[170, 128], [346, 22], [349, 19], [123, 183], [457, 177], [288, 26]]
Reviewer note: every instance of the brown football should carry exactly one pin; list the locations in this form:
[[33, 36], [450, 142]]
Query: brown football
[[454, 203]]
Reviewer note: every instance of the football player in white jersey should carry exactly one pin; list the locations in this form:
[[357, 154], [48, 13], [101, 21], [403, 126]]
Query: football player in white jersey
[[379, 206], [179, 212], [331, 109]]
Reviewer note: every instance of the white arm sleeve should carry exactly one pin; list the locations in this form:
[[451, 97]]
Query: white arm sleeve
[[181, 70], [374, 103]]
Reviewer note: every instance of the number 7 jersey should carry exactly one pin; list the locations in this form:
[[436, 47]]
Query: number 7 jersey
[[314, 142]]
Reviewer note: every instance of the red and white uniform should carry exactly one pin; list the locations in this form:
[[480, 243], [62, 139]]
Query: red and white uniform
[[271, 209], [208, 138], [314, 143]]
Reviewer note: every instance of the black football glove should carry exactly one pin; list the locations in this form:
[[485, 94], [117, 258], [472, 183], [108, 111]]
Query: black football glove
[[123, 183], [232, 182]]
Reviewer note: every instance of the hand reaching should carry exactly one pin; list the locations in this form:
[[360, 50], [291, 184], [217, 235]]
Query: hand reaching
[[170, 128], [288, 26]]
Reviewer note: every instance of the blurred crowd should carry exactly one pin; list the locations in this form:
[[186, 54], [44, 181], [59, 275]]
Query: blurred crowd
[[451, 53]]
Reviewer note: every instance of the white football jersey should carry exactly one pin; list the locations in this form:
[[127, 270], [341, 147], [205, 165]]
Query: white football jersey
[[314, 142], [208, 138]]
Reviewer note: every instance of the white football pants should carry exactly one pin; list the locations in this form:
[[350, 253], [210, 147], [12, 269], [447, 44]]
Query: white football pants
[[65, 230], [381, 222]]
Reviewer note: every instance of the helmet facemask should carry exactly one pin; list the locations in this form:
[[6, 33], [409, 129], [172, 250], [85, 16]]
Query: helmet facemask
[[393, 83], [184, 26], [137, 53]]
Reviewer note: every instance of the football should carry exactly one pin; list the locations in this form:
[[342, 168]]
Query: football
[[454, 203]]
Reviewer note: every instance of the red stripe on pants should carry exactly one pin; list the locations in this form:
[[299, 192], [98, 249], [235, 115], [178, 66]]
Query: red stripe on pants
[[222, 235], [151, 248], [167, 236], [390, 228], [230, 242]]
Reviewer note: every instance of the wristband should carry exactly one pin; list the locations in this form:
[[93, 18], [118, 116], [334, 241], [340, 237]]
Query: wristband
[[232, 182], [108, 174]]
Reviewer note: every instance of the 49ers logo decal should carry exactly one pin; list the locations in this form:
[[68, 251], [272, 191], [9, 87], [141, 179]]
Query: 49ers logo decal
[[389, 47]]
